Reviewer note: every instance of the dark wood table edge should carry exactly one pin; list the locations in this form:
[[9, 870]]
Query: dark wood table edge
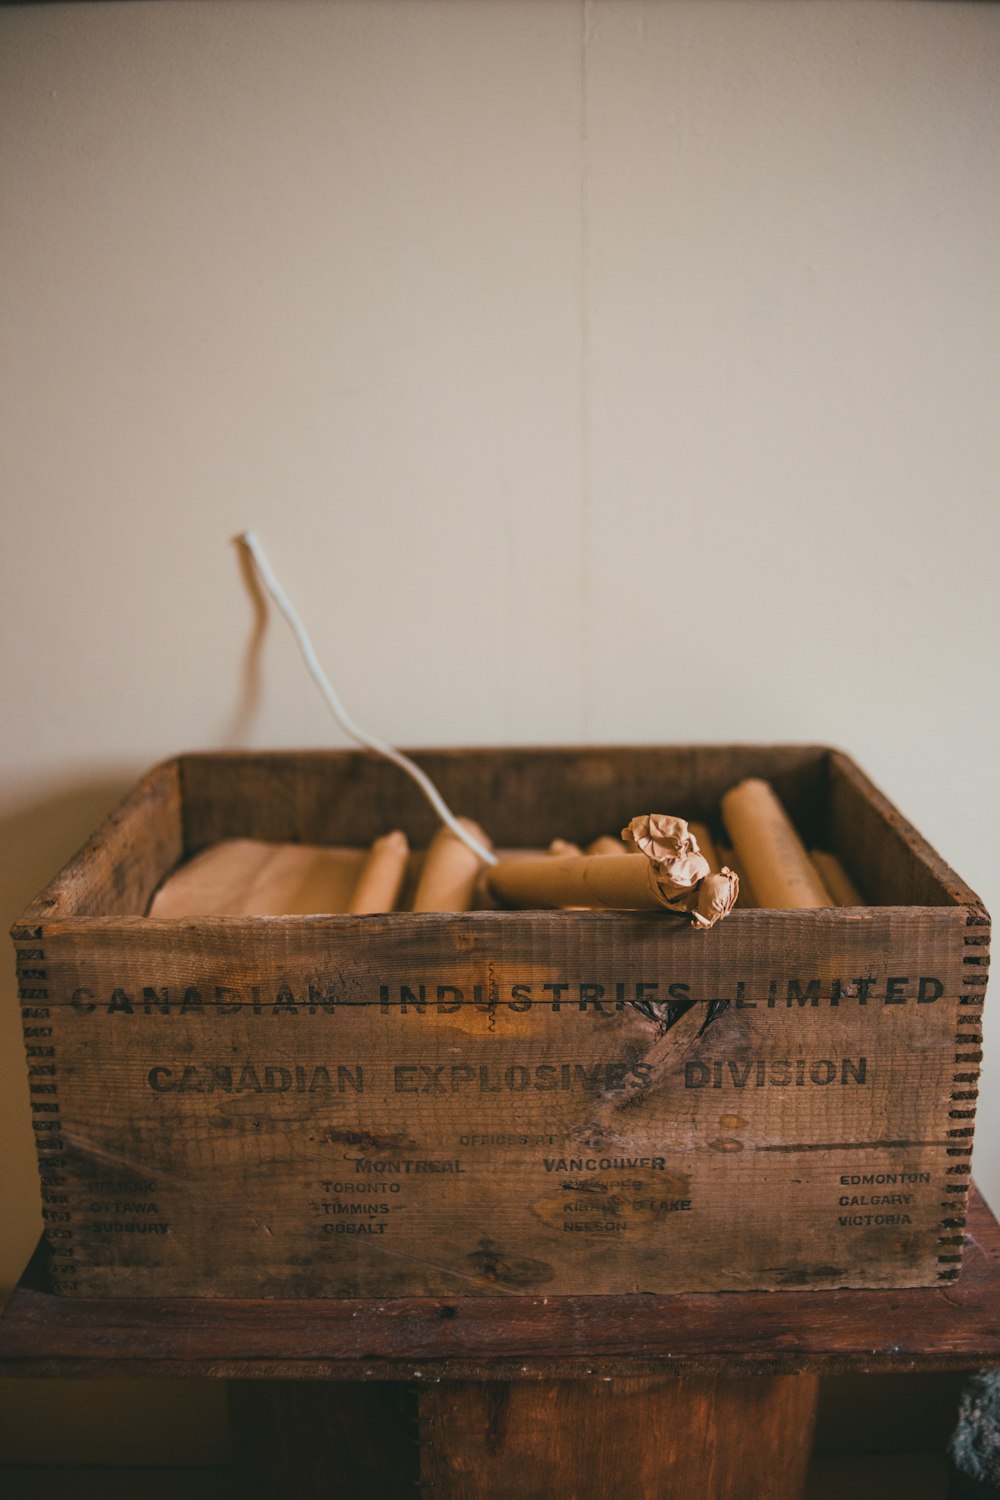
[[952, 1326]]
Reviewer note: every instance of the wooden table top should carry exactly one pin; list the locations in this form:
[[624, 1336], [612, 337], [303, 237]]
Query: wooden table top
[[954, 1326]]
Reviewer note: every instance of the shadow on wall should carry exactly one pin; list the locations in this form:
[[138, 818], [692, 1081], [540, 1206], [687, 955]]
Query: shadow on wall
[[37, 838], [249, 692]]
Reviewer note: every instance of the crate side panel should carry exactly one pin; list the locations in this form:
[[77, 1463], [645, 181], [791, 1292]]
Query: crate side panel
[[119, 868], [429, 1106], [521, 797], [884, 854]]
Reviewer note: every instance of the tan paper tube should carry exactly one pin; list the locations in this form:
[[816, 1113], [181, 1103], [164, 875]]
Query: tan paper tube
[[607, 845], [251, 877], [382, 876], [747, 899], [671, 873], [767, 845], [836, 879], [450, 871], [577, 880], [565, 847]]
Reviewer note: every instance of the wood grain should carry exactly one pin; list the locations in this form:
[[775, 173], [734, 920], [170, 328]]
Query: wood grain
[[452, 1104], [952, 1326], [586, 1440], [522, 797], [251, 1106]]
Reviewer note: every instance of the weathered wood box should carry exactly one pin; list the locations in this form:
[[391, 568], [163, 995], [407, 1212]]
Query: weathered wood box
[[456, 1104]]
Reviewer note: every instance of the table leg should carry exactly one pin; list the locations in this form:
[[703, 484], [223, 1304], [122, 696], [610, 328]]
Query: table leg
[[661, 1438]]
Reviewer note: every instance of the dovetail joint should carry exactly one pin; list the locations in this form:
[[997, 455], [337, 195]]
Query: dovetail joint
[[49, 1141]]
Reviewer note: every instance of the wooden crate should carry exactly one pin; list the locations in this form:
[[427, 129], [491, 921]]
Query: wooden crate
[[461, 1104]]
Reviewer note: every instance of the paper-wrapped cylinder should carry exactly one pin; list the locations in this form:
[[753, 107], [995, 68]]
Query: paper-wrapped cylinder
[[450, 871], [602, 880], [775, 859], [382, 875], [607, 845], [836, 879]]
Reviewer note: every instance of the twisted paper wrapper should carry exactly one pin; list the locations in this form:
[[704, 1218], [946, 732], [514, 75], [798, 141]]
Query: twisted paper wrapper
[[680, 871]]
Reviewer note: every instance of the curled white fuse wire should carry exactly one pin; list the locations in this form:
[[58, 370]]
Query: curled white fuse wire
[[332, 700]]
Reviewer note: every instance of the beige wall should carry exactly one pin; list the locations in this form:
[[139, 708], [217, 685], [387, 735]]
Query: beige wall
[[630, 370]]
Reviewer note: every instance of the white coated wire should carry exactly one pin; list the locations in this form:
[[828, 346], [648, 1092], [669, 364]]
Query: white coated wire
[[332, 699]]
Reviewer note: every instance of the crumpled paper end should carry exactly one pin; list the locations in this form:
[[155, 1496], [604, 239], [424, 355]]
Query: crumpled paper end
[[716, 897], [671, 849], [679, 871], [660, 836]]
